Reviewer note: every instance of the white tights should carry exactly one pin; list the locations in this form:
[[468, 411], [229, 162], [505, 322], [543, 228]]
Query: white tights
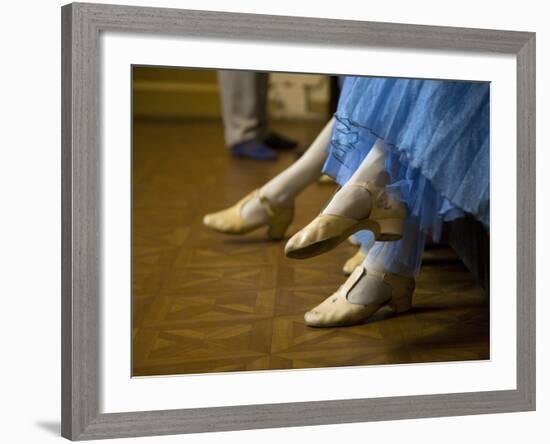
[[283, 188], [355, 202]]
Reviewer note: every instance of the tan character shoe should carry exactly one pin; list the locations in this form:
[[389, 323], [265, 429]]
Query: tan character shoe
[[382, 288], [230, 221], [353, 262], [326, 231]]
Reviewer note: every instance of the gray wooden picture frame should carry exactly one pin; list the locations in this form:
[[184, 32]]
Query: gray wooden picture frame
[[81, 235]]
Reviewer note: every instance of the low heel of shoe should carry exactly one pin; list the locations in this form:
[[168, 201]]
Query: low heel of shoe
[[390, 229], [277, 231], [279, 219], [401, 303], [279, 224]]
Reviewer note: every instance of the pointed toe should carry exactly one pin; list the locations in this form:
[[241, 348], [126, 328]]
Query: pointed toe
[[207, 220], [290, 245], [312, 318], [321, 234]]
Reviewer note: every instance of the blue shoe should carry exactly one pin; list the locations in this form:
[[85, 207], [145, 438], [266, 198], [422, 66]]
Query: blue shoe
[[253, 149]]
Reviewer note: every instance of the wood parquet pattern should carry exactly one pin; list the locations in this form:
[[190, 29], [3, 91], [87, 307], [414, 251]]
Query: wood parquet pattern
[[207, 302]]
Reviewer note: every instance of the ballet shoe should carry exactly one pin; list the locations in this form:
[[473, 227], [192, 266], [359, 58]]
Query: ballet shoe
[[353, 262], [326, 231], [230, 221], [385, 289]]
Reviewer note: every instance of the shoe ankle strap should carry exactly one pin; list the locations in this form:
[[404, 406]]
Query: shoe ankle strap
[[266, 204], [371, 187], [357, 274]]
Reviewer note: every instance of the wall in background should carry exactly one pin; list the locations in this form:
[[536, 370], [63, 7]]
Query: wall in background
[[175, 93], [293, 96]]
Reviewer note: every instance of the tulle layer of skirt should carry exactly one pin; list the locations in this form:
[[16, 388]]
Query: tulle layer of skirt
[[435, 135]]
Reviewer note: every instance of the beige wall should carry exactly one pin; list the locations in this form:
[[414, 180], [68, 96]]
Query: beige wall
[[303, 96]]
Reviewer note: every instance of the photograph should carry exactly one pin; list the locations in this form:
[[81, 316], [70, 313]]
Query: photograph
[[285, 221], [274, 222]]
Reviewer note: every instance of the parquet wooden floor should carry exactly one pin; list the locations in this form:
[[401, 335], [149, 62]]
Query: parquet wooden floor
[[207, 302]]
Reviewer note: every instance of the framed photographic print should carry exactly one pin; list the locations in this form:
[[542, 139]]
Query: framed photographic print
[[276, 221]]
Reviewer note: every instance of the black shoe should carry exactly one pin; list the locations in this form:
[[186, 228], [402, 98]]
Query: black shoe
[[278, 142]]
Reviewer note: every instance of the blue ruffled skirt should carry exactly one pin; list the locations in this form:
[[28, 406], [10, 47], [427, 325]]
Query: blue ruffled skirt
[[436, 139]]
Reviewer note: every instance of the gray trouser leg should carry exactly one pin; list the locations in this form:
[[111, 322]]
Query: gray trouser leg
[[244, 101]]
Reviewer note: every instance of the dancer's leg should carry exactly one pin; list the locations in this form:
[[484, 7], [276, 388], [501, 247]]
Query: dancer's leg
[[355, 202], [403, 258], [362, 203], [283, 188], [273, 204]]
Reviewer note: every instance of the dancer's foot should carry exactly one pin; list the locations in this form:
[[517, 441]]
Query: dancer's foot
[[250, 213], [356, 206], [253, 149], [362, 295], [279, 142], [353, 262]]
